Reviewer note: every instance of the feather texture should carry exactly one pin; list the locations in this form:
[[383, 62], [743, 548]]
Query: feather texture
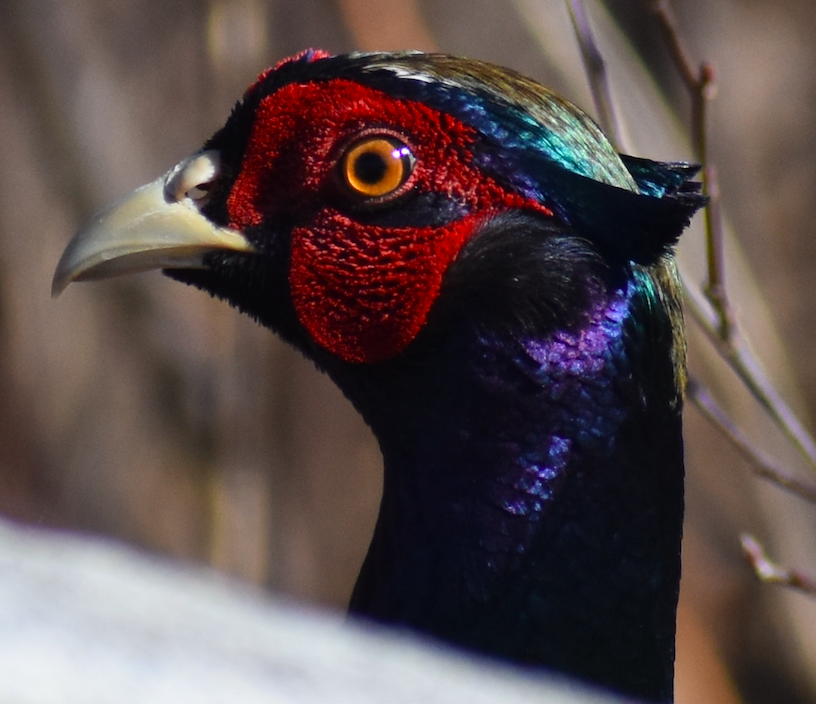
[[504, 312]]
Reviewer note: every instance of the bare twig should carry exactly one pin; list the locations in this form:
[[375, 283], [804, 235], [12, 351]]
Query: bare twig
[[771, 573], [761, 465], [699, 82], [597, 76], [712, 310], [715, 290], [722, 329], [749, 371]]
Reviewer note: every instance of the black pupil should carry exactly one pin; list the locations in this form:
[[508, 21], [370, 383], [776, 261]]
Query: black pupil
[[370, 167]]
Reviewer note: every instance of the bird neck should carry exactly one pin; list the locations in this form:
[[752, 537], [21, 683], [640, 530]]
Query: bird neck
[[532, 502]]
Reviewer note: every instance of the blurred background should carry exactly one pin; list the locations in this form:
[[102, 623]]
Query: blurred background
[[142, 410]]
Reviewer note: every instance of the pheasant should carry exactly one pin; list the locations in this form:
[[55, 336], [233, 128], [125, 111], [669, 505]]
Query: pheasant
[[492, 286]]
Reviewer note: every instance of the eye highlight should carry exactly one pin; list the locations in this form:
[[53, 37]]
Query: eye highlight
[[376, 166]]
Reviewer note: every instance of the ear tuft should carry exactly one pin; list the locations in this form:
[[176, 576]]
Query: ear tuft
[[624, 225]]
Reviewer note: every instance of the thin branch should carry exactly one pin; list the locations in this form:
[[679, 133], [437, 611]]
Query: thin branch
[[722, 330], [715, 290], [701, 86], [671, 34], [698, 81], [771, 573], [760, 465], [720, 327], [749, 371], [597, 75]]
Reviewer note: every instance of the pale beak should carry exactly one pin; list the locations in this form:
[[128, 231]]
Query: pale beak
[[157, 226]]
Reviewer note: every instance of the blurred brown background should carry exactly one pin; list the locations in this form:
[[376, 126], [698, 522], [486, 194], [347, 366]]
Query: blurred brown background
[[142, 410]]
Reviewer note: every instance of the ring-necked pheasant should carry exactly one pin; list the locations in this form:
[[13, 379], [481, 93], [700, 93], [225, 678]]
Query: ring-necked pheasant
[[491, 285]]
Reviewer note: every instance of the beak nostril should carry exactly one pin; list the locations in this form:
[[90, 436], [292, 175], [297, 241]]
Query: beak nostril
[[158, 226], [200, 191], [195, 178]]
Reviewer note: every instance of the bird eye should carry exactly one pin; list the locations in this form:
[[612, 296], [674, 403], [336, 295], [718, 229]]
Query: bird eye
[[376, 166]]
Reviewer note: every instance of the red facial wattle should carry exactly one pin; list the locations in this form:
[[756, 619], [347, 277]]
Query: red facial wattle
[[362, 290]]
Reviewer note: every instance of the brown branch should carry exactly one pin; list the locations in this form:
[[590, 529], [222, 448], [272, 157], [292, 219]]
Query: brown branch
[[760, 465], [722, 331], [771, 573], [699, 82], [747, 368], [597, 75], [680, 54], [719, 328], [715, 290]]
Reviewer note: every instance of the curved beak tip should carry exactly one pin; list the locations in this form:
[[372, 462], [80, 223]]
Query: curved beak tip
[[147, 229], [58, 285]]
